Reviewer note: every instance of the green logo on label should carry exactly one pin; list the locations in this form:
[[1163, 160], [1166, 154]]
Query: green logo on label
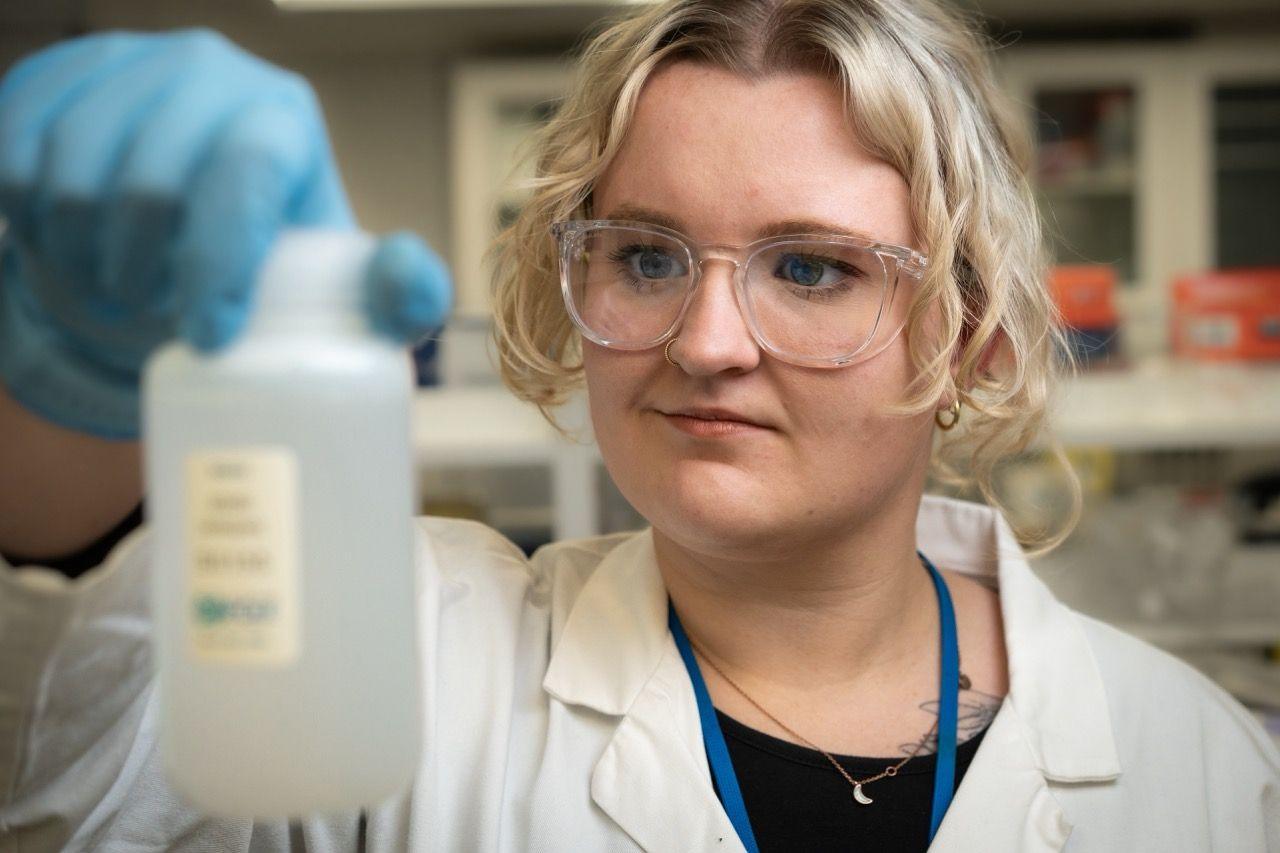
[[212, 609]]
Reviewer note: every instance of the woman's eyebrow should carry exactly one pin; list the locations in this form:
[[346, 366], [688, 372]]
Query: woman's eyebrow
[[644, 214], [773, 229], [811, 226]]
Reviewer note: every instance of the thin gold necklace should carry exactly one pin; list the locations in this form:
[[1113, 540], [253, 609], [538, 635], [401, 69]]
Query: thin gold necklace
[[858, 796]]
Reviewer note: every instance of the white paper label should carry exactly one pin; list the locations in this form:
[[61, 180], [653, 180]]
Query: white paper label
[[242, 555], [1213, 331]]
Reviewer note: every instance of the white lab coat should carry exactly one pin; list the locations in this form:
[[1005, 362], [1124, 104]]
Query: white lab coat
[[560, 718]]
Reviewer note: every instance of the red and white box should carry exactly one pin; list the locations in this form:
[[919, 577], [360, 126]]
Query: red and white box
[[1227, 315]]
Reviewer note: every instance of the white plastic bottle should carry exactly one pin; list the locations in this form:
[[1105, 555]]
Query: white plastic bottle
[[281, 495]]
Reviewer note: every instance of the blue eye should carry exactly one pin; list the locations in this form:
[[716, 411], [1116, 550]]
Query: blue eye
[[648, 263], [810, 271], [803, 272], [651, 264]]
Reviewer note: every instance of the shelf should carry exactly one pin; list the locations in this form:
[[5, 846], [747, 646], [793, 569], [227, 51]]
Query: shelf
[[1160, 404], [1166, 404], [488, 427], [1090, 182], [483, 426], [1155, 405]]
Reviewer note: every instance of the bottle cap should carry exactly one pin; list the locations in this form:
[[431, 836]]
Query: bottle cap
[[315, 268]]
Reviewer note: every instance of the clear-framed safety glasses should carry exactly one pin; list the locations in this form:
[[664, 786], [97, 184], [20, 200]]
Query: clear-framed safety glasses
[[811, 300]]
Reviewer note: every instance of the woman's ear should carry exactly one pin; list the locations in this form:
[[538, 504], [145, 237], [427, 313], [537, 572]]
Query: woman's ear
[[993, 352]]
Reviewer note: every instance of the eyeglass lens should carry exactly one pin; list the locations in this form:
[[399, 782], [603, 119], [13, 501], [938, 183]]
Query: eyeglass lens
[[810, 298]]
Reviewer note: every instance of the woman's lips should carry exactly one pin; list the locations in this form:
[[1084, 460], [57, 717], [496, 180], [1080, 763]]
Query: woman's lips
[[712, 428]]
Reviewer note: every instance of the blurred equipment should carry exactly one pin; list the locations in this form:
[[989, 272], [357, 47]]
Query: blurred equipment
[[1261, 496], [1227, 315], [426, 361]]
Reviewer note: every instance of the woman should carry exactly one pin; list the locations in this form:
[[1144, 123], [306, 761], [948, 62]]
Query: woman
[[791, 242]]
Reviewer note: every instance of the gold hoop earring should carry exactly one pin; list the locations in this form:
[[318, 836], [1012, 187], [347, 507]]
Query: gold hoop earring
[[667, 351], [954, 411]]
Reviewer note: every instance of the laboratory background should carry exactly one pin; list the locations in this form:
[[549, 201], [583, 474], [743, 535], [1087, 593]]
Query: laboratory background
[[1157, 167]]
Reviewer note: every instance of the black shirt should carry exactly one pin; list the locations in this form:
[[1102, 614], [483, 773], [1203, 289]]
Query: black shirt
[[77, 563], [798, 802]]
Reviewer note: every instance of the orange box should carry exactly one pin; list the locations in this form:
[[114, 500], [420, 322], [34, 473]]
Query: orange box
[[1227, 315], [1085, 295]]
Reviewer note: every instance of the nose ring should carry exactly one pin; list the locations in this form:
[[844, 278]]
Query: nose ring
[[667, 351]]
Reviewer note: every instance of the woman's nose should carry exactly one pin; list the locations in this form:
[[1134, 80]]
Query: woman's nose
[[714, 336]]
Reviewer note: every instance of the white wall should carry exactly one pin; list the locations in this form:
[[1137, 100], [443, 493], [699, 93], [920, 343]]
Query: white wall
[[387, 120]]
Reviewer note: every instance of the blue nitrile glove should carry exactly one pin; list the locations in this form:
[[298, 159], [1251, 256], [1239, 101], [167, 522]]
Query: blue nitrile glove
[[144, 178]]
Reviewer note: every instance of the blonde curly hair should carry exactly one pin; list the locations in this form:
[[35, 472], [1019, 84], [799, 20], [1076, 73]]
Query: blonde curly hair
[[927, 103]]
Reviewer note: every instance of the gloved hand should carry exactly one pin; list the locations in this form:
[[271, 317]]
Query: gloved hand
[[144, 178]]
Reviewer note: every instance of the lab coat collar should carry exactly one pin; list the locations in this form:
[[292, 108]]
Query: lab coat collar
[[624, 598], [1055, 687], [1054, 723]]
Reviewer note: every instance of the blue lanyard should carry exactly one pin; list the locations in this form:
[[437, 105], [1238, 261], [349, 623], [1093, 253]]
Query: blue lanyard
[[944, 779]]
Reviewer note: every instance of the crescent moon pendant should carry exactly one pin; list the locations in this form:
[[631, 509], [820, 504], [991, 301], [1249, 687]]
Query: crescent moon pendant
[[861, 797]]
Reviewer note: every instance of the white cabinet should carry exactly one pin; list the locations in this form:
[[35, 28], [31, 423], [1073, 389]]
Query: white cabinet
[[495, 107], [1127, 167]]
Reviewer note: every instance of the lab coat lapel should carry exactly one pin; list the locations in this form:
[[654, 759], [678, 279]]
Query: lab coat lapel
[[1004, 804], [652, 782], [616, 656], [1055, 686], [1054, 725]]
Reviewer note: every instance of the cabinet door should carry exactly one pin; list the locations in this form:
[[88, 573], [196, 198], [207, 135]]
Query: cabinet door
[[1117, 170], [496, 106], [1246, 161], [1084, 173]]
